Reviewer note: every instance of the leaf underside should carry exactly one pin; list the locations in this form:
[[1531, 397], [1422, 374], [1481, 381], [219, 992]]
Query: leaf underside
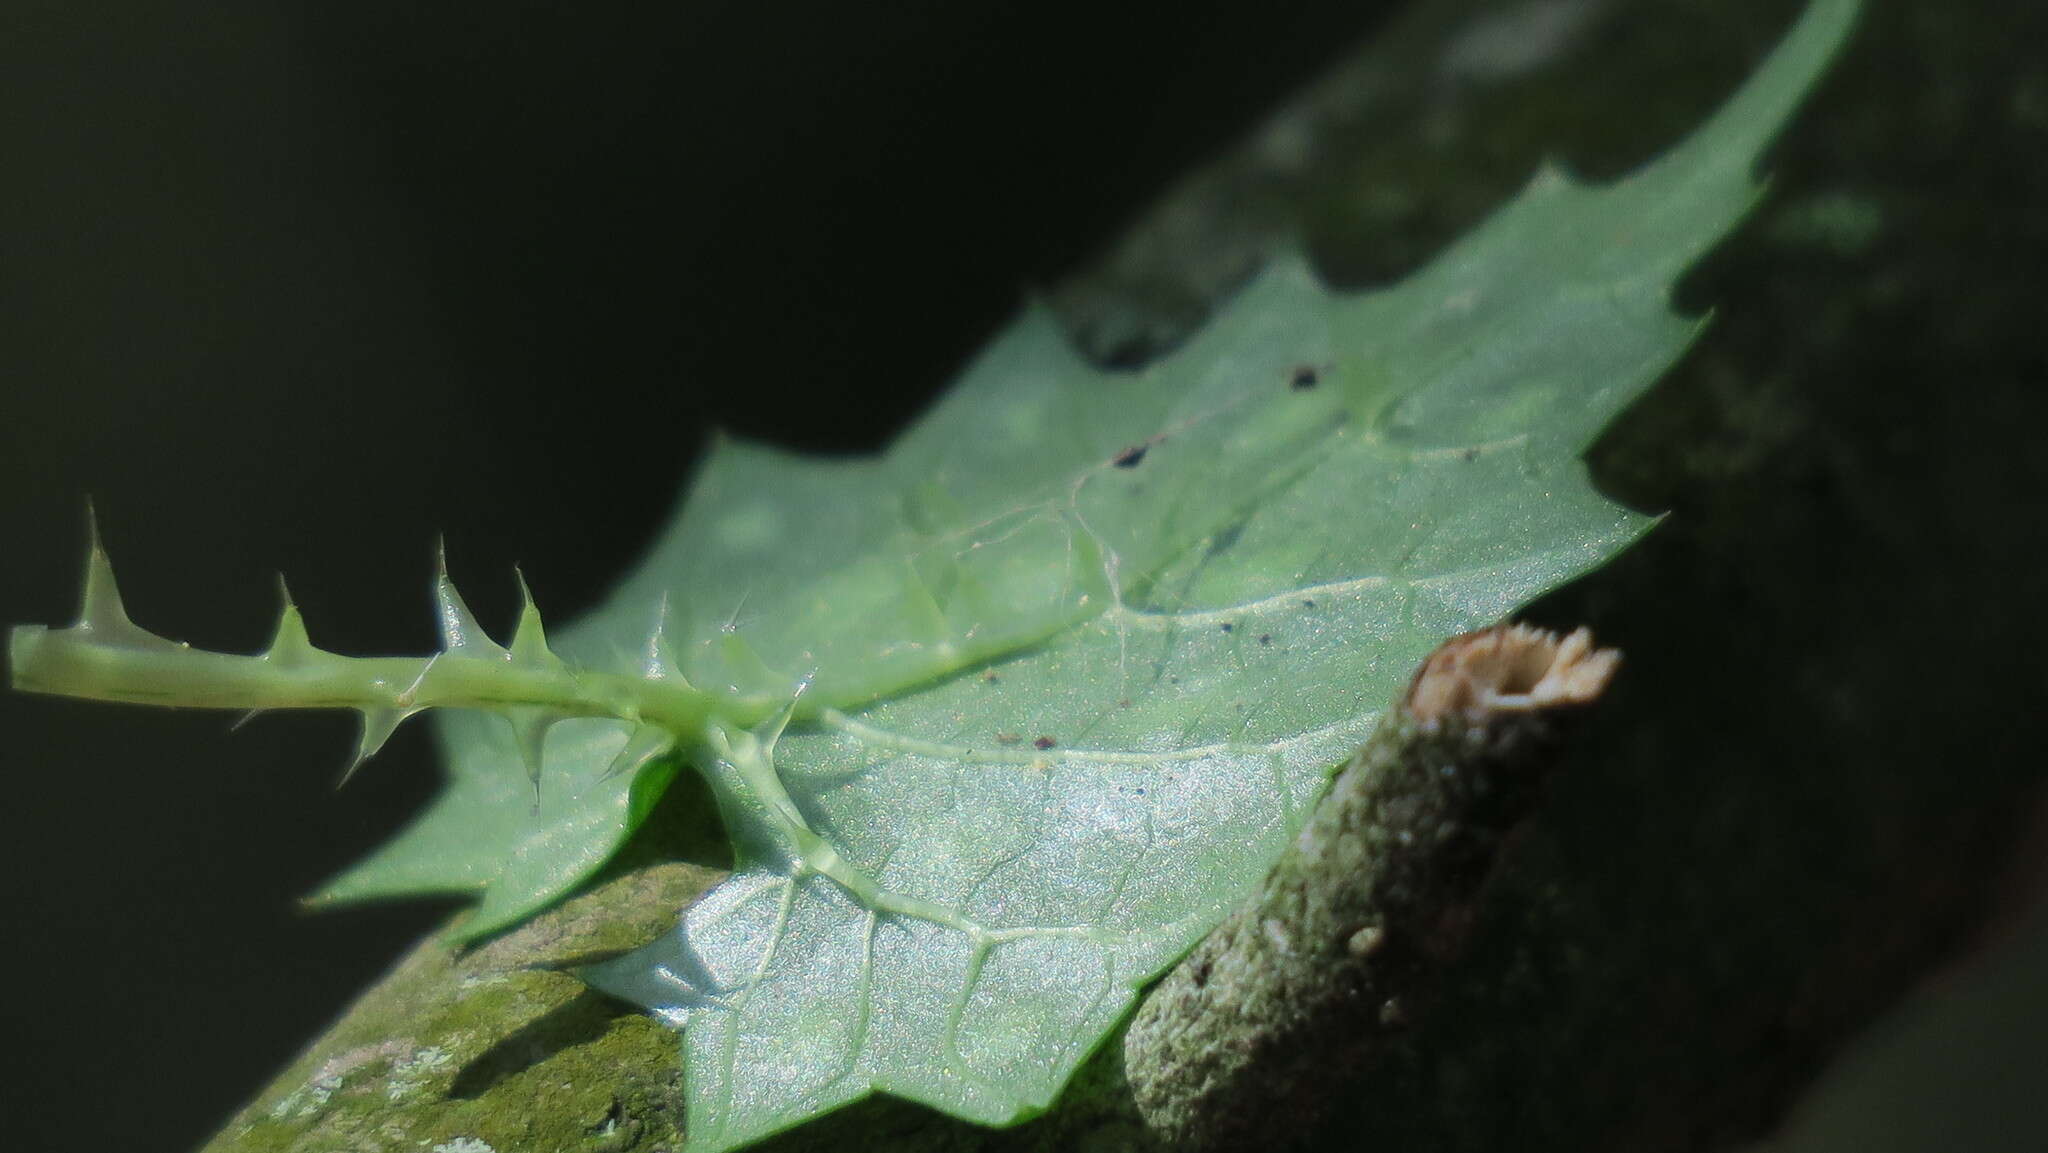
[[1082, 645]]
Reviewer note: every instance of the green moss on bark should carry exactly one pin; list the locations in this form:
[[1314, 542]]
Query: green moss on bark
[[494, 1048]]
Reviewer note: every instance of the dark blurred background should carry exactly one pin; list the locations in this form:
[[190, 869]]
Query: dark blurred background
[[295, 287]]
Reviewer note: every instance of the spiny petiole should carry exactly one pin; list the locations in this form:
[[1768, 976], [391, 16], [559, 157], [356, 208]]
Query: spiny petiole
[[106, 656]]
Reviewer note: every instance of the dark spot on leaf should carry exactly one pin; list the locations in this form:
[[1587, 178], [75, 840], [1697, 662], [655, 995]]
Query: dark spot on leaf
[[1043, 743], [1307, 604], [1228, 627], [990, 677], [1471, 454], [1265, 638], [1130, 457], [1008, 738], [1303, 378], [1200, 973], [1124, 703], [1172, 680]]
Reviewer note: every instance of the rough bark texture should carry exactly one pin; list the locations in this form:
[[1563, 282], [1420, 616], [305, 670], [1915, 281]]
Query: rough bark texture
[[1289, 1002], [1794, 803]]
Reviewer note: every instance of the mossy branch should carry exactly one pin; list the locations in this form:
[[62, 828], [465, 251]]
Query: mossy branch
[[1251, 1037]]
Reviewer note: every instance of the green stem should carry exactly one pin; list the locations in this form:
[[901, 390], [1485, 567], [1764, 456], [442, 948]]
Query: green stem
[[106, 656], [77, 662]]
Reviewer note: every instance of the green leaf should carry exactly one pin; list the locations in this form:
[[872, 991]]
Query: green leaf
[[1203, 631], [1003, 721], [483, 836]]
